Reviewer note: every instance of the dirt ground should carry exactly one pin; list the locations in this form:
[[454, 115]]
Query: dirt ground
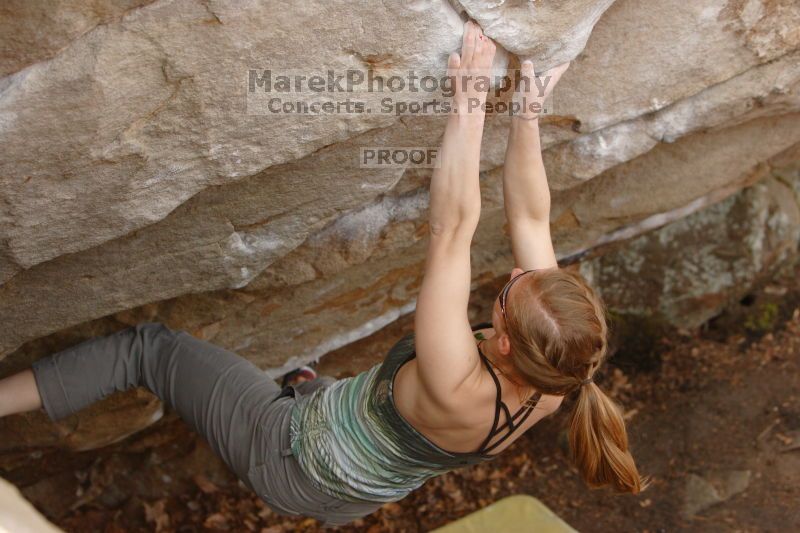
[[713, 416]]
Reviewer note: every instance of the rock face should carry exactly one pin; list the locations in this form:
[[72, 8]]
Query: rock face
[[547, 33], [135, 185], [702, 493], [687, 271]]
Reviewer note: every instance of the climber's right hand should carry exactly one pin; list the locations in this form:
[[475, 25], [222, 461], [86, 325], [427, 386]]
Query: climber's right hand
[[471, 70]]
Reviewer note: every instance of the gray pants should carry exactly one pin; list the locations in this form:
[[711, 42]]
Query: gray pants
[[241, 412]]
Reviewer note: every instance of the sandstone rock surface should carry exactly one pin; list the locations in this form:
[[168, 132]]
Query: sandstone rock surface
[[135, 185], [687, 271], [547, 33]]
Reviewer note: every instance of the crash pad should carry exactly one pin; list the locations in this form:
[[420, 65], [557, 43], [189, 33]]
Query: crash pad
[[514, 514]]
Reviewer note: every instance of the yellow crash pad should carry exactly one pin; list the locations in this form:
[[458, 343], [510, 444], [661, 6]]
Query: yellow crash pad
[[514, 514]]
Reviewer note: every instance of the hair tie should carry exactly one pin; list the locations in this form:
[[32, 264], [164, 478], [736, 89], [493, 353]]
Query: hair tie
[[586, 381]]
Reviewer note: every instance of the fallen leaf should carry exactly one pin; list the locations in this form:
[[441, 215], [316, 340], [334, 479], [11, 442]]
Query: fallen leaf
[[204, 484], [156, 514], [216, 521]]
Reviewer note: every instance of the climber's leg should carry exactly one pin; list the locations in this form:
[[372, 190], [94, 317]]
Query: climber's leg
[[18, 394], [221, 395]]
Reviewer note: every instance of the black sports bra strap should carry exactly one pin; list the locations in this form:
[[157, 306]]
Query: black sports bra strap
[[498, 402], [509, 418], [530, 403], [511, 421], [527, 410]]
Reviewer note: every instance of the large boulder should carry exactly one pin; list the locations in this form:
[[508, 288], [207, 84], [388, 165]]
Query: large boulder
[[136, 185], [686, 272], [547, 33]]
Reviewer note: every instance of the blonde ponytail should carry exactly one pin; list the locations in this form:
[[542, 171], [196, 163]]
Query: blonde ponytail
[[599, 443]]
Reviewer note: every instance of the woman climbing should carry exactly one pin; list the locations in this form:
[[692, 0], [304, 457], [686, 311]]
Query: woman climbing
[[448, 396]]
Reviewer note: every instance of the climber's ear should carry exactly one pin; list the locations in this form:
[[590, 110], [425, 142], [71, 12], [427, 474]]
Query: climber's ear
[[504, 344]]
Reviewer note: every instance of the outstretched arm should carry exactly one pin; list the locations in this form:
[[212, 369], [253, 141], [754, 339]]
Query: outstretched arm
[[446, 352], [525, 188]]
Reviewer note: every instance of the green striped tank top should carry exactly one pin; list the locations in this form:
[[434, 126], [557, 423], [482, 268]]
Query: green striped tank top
[[354, 445]]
